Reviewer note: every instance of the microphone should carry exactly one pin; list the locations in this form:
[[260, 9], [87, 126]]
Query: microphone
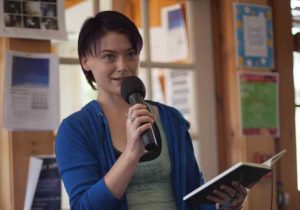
[[133, 91]]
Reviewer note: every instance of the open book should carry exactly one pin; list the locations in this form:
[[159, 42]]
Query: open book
[[245, 173]]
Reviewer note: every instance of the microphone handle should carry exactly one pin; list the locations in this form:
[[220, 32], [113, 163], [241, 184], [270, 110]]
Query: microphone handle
[[148, 136], [149, 140]]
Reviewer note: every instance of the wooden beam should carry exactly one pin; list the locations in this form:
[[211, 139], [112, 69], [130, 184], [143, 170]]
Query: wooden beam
[[284, 65], [71, 3]]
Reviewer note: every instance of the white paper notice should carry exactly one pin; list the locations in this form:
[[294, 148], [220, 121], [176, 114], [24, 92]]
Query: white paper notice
[[31, 91], [255, 36], [43, 19]]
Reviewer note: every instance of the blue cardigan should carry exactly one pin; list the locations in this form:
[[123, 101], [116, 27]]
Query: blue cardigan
[[84, 153]]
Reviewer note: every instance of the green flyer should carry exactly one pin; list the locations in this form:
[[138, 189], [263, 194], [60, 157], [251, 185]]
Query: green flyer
[[259, 103]]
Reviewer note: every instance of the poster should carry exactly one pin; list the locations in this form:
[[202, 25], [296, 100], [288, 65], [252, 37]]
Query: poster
[[254, 36], [258, 94], [43, 190], [31, 97], [36, 19]]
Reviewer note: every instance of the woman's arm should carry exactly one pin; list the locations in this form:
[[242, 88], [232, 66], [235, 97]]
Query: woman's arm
[[79, 164], [79, 168], [140, 120]]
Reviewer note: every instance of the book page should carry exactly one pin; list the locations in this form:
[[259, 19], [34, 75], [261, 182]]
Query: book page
[[270, 162]]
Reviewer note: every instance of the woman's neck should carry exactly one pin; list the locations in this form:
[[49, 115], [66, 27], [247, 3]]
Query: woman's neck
[[113, 104]]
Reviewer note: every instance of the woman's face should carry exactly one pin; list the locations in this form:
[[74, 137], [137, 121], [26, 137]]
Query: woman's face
[[115, 60]]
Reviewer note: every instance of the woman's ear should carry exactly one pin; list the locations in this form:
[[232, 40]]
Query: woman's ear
[[85, 63]]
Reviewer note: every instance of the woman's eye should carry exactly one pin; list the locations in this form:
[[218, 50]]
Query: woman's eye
[[132, 54], [109, 57]]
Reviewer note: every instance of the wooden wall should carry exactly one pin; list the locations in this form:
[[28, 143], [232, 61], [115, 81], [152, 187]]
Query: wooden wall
[[232, 146], [17, 146], [284, 66]]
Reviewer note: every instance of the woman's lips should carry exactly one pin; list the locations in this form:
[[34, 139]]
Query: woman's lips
[[118, 80]]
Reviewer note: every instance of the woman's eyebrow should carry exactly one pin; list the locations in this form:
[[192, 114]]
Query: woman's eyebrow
[[105, 50], [132, 48], [113, 51]]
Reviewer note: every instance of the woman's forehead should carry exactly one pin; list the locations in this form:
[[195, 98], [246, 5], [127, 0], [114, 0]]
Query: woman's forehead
[[114, 41]]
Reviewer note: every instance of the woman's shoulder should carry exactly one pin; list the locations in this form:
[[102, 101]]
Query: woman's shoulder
[[86, 114], [159, 105], [168, 111]]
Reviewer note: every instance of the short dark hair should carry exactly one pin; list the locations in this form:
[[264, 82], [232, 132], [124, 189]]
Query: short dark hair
[[94, 28]]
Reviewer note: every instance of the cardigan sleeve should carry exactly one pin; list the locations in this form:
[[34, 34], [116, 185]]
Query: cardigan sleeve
[[79, 169]]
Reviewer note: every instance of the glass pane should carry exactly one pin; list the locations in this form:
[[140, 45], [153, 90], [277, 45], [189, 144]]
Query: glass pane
[[298, 145], [174, 88], [75, 91], [295, 4], [168, 31], [143, 76], [297, 77], [74, 16]]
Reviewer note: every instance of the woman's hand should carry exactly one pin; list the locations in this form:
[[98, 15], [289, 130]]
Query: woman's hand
[[117, 178], [229, 197], [139, 119]]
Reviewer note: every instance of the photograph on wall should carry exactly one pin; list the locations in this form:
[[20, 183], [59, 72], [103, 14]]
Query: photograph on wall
[[31, 97], [36, 19], [258, 98], [254, 36]]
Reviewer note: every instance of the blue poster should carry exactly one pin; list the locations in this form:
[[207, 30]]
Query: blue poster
[[48, 191], [33, 72], [43, 191], [254, 36]]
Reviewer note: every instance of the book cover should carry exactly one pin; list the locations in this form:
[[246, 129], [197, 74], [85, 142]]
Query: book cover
[[247, 174]]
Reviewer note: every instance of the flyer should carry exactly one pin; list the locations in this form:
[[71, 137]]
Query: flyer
[[31, 91]]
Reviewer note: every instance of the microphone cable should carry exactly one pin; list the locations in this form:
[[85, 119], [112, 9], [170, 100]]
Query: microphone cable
[[272, 186]]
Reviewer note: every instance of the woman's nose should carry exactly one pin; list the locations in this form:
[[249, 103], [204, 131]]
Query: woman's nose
[[121, 64]]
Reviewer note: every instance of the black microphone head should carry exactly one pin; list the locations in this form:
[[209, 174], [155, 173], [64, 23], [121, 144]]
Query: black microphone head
[[132, 84]]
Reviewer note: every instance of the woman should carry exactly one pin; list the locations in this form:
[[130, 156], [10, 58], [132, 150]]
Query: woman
[[100, 155]]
